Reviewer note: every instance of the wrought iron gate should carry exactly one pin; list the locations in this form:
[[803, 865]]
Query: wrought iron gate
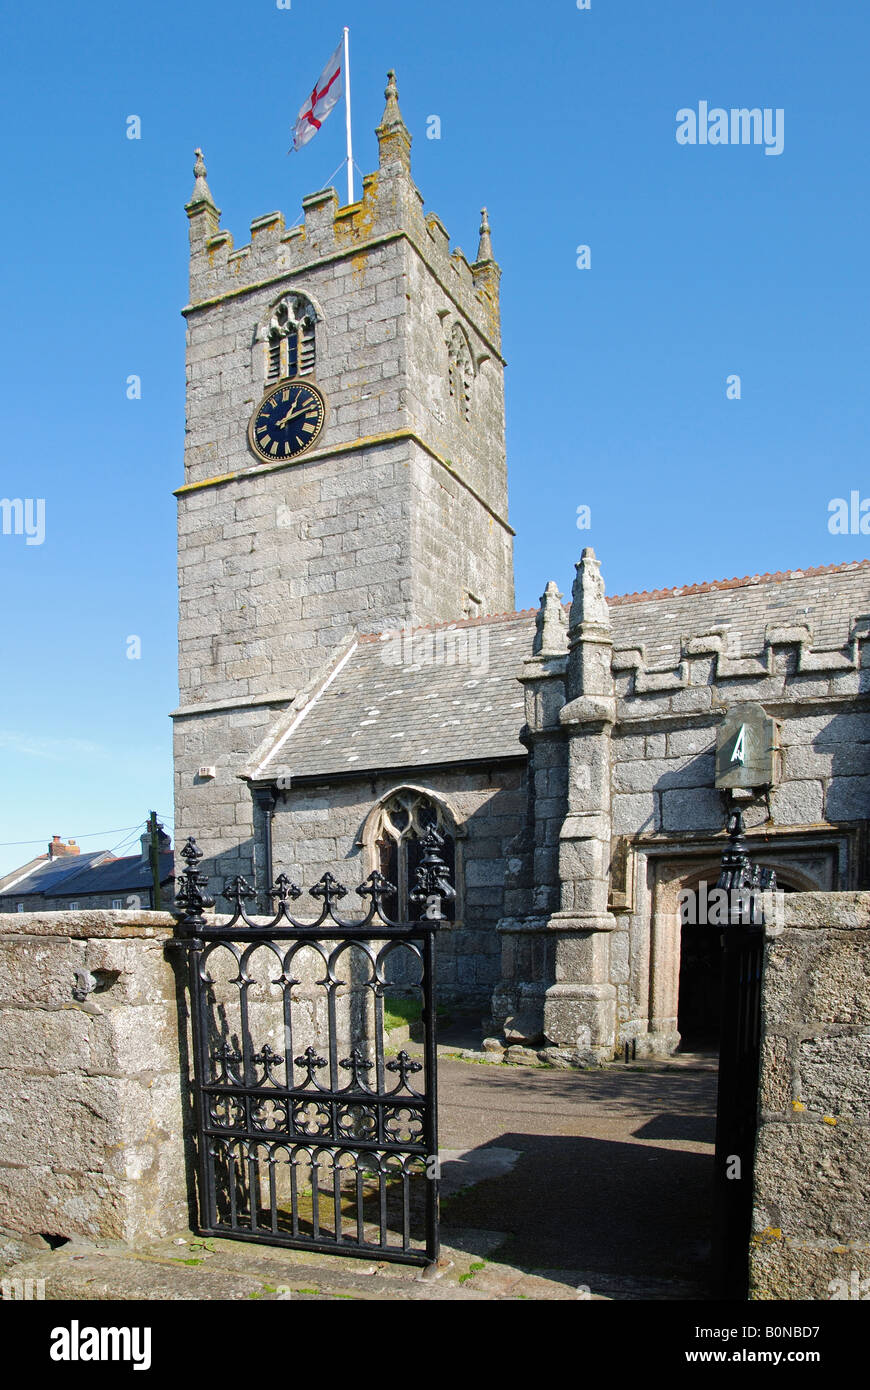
[[309, 1133], [739, 1062]]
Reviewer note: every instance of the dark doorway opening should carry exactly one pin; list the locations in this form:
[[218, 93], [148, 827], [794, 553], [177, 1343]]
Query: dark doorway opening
[[699, 1016]]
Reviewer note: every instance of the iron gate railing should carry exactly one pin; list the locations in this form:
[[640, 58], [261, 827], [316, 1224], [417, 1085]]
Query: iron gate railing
[[309, 1133], [739, 1061]]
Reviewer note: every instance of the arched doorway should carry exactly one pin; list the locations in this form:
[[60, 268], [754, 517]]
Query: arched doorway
[[703, 916], [684, 964]]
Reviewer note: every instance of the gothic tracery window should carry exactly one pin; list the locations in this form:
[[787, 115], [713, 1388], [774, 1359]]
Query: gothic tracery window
[[460, 371], [290, 338], [405, 817]]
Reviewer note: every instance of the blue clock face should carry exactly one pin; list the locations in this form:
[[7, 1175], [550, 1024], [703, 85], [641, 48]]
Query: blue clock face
[[287, 421]]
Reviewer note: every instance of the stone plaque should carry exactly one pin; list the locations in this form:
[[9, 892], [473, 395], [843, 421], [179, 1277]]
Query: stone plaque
[[746, 748]]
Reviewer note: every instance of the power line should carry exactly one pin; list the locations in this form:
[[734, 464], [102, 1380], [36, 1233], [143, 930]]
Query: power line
[[91, 835], [122, 843]]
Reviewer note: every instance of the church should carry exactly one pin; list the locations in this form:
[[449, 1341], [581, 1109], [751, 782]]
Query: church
[[352, 670]]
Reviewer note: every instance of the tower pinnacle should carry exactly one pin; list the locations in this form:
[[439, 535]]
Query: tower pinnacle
[[394, 139], [201, 195], [392, 115], [484, 250]]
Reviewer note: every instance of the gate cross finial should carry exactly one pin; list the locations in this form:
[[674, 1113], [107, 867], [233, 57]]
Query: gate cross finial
[[311, 1062], [404, 1066], [356, 1063]]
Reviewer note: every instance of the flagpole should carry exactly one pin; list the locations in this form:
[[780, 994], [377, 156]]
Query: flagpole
[[347, 114]]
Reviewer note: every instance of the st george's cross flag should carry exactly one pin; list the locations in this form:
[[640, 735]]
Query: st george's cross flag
[[327, 92]]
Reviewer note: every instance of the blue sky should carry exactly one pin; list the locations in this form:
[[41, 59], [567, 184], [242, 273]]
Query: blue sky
[[705, 261]]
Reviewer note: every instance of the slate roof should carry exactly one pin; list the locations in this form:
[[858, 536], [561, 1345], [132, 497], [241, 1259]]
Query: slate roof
[[825, 599], [84, 874], [382, 711], [118, 875], [385, 710], [51, 873]]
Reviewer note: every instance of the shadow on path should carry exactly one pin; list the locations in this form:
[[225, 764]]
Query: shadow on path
[[611, 1174]]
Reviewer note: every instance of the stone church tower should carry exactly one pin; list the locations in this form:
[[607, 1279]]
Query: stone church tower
[[392, 511]]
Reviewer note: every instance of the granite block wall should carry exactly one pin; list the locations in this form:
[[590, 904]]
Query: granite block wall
[[91, 1112], [811, 1221]]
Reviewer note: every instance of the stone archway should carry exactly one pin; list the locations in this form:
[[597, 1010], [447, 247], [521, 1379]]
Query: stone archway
[[671, 878]]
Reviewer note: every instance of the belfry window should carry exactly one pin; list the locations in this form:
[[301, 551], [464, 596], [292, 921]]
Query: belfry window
[[406, 815], [460, 371], [290, 339]]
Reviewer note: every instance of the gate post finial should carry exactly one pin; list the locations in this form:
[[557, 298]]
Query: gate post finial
[[742, 880], [432, 884], [190, 898]]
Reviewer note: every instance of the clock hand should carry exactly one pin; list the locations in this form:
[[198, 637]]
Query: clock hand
[[291, 414]]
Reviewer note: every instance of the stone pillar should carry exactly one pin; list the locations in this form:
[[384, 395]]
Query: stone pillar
[[811, 1181], [92, 1138], [580, 1007], [532, 879]]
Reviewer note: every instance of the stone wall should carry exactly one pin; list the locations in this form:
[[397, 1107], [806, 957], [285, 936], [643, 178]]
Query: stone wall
[[329, 828], [91, 1112], [811, 1219]]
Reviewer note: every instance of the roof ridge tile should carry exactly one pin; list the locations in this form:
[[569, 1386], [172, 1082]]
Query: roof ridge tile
[[707, 586]]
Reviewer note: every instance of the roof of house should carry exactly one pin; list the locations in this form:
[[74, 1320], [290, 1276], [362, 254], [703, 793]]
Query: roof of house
[[85, 874], [448, 693], [48, 874], [128, 874], [22, 871]]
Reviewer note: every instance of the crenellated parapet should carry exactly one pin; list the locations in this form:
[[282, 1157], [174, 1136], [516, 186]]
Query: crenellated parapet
[[391, 207], [717, 656]]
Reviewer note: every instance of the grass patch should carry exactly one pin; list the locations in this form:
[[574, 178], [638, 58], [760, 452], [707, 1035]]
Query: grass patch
[[401, 1010], [472, 1270]]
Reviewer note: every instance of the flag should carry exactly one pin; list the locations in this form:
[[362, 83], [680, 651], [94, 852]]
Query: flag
[[328, 90]]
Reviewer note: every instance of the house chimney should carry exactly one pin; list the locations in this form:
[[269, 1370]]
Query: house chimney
[[164, 843], [57, 849]]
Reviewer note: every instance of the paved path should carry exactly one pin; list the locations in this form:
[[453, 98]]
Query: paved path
[[609, 1176], [557, 1185]]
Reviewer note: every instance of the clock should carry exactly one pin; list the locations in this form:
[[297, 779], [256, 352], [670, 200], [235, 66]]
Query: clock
[[287, 421]]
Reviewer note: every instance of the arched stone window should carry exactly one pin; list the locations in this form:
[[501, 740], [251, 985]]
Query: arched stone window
[[403, 818], [290, 337], [460, 370]]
